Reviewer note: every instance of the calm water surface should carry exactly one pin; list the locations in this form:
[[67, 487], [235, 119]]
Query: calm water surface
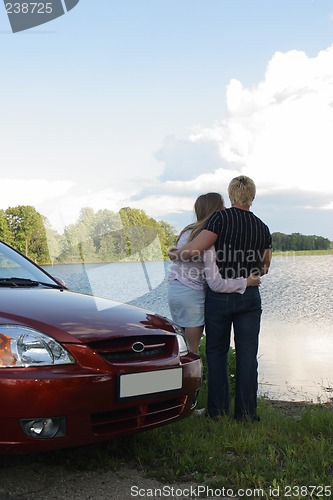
[[296, 339]]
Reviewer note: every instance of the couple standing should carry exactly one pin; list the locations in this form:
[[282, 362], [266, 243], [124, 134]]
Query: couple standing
[[229, 249]]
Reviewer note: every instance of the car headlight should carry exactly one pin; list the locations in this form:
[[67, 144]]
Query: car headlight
[[182, 343], [183, 349], [176, 328], [23, 346]]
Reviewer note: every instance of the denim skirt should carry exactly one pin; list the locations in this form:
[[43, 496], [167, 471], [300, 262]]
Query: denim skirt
[[187, 306]]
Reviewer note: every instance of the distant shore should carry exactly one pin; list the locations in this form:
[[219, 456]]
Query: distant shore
[[288, 253]]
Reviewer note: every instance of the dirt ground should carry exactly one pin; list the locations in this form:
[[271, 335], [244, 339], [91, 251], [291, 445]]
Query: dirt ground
[[24, 482], [23, 478], [46, 482]]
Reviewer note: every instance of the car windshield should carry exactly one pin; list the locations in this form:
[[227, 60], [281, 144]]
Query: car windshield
[[14, 265]]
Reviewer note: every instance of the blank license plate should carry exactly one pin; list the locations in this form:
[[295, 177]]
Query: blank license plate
[[137, 384]]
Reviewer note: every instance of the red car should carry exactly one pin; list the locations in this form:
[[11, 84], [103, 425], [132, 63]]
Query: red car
[[77, 369]]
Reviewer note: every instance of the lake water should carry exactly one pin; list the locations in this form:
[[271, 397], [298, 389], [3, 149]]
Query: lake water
[[296, 339]]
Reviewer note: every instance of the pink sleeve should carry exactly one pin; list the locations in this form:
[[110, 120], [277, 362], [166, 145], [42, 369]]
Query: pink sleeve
[[214, 279]]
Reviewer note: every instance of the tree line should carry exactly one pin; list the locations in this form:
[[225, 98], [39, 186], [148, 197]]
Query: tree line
[[107, 236], [103, 236], [296, 241]]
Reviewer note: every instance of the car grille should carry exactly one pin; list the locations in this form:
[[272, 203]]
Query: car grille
[[132, 348], [140, 416]]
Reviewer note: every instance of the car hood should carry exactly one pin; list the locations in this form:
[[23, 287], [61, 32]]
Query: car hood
[[70, 317]]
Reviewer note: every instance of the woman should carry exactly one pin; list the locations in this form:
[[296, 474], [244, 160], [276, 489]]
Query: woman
[[188, 279]]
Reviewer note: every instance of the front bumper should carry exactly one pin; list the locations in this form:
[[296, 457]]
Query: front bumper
[[89, 401]]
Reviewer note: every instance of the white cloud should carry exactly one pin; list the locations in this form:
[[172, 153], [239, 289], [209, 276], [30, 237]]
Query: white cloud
[[186, 158], [66, 209], [280, 132], [33, 192], [60, 201], [164, 198], [215, 181], [46, 196]]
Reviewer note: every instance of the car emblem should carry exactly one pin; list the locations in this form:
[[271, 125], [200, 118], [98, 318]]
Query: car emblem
[[138, 347]]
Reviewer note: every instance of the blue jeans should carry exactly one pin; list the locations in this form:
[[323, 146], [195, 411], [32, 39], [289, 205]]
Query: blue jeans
[[243, 312]]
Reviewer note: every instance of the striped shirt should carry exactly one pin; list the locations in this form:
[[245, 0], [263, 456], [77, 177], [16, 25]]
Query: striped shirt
[[241, 242]]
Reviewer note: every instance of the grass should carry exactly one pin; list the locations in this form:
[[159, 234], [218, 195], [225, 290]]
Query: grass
[[292, 446], [289, 253]]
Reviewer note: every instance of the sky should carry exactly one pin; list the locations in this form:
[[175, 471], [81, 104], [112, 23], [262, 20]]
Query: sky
[[150, 103]]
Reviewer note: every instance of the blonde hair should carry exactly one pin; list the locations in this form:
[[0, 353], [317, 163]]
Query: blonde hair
[[204, 206], [242, 190]]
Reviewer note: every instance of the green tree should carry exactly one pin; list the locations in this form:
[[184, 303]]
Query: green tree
[[297, 241], [77, 245], [321, 243], [106, 236], [27, 227], [144, 236], [5, 232], [168, 237], [54, 240]]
